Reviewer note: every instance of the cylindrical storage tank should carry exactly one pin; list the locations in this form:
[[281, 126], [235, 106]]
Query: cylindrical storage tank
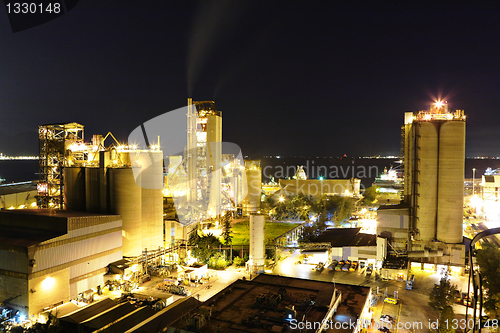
[[426, 176], [74, 188], [451, 181], [254, 187], [257, 246], [214, 159], [125, 199], [151, 182], [92, 190]]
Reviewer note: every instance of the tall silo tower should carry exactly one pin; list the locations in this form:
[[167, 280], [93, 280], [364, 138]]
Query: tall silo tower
[[204, 155], [434, 158]]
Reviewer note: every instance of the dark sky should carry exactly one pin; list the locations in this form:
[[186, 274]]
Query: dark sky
[[308, 78]]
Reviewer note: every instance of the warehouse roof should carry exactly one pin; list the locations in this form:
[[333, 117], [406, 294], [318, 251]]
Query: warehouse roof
[[58, 213], [339, 237], [89, 311], [14, 188], [167, 316], [23, 237], [266, 304]]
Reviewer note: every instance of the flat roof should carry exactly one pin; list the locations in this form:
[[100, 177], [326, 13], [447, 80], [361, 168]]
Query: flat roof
[[165, 317], [397, 206], [58, 213], [85, 313], [23, 237], [14, 188], [260, 305], [340, 237]]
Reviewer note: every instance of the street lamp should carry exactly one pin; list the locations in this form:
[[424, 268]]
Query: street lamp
[[473, 180]]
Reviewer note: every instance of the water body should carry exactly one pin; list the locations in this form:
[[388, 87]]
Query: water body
[[366, 169], [16, 171]]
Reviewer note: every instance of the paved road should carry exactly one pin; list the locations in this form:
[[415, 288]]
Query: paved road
[[414, 311]]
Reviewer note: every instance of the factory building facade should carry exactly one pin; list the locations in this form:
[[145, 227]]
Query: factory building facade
[[48, 257]]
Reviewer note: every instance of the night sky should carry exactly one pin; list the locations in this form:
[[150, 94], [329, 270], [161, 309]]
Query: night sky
[[308, 78]]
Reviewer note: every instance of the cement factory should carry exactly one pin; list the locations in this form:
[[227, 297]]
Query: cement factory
[[102, 208]]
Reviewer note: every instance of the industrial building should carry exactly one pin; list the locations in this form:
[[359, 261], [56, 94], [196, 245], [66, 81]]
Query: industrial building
[[427, 225], [271, 303], [18, 195], [48, 257], [99, 205], [89, 177], [346, 244], [318, 187]]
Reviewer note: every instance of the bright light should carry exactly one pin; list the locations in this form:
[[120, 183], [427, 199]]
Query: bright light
[[476, 202], [321, 178], [368, 226], [439, 104], [33, 204], [22, 318], [281, 199], [48, 283]]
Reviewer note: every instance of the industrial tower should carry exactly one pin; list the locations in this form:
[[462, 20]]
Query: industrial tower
[[434, 158], [59, 147]]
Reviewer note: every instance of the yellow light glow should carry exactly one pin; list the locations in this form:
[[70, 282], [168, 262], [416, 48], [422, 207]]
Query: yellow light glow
[[429, 267], [11, 207], [439, 104], [281, 199], [48, 283], [22, 207], [33, 204]]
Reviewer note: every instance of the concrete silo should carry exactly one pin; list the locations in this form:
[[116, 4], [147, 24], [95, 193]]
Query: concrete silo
[[451, 182], [92, 190], [434, 157], [125, 199], [74, 188], [426, 180], [214, 159], [150, 181], [257, 255], [251, 203]]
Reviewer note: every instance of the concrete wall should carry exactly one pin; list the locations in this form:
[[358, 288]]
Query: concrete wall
[[17, 199], [353, 253], [48, 290], [356, 252], [16, 289], [394, 224], [438, 253]]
